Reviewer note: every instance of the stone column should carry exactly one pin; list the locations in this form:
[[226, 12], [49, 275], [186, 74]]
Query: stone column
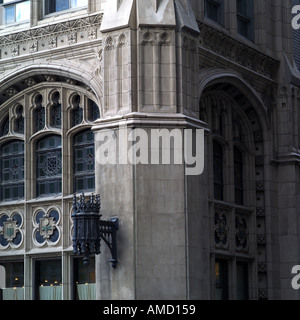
[[149, 84]]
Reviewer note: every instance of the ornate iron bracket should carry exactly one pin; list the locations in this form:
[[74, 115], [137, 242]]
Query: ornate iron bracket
[[89, 229], [108, 233]]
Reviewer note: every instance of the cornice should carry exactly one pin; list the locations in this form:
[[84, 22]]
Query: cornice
[[237, 52]]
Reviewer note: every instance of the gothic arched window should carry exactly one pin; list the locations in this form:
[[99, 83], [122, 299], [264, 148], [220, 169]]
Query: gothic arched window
[[218, 170], [55, 111], [49, 165], [19, 122], [77, 112], [93, 110], [84, 161], [39, 113], [12, 171]]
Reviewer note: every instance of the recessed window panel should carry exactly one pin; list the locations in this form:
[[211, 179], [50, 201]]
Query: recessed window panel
[[16, 12], [12, 171], [49, 166], [23, 11], [84, 162], [221, 276], [52, 6], [14, 280], [245, 17], [214, 10], [48, 280]]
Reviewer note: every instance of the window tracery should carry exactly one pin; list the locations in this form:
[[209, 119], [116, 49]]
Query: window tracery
[[12, 171], [49, 165]]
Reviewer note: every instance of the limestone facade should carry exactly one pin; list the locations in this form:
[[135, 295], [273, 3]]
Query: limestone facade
[[220, 66]]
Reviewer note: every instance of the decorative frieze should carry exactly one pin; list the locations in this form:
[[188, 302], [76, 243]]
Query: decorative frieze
[[237, 52], [46, 37]]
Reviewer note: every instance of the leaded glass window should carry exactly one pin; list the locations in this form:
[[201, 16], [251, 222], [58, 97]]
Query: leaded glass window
[[39, 113], [19, 122], [56, 111], [84, 161], [93, 110], [218, 170], [12, 171], [49, 165], [5, 127], [77, 111]]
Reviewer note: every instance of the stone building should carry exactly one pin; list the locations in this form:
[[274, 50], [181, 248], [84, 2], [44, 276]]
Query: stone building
[[72, 71]]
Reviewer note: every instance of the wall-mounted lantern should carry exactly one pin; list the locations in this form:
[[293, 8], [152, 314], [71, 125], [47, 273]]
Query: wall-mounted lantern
[[89, 229]]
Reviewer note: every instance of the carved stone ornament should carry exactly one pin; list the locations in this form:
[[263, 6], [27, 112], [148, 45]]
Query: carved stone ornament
[[47, 226], [241, 233], [9, 229], [235, 51], [32, 37], [11, 235], [221, 229]]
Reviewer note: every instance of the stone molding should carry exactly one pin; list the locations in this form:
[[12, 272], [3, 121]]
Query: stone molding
[[50, 36], [237, 52]]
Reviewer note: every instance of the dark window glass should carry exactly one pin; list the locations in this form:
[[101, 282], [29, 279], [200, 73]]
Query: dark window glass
[[242, 281], [84, 162], [214, 10], [48, 280], [83, 279], [19, 122], [77, 111], [93, 110], [221, 273], [238, 176], [39, 113], [12, 171], [14, 274], [60, 5], [245, 15], [49, 165], [218, 170], [56, 111]]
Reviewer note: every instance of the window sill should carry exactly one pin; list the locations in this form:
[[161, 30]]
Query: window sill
[[14, 27]]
